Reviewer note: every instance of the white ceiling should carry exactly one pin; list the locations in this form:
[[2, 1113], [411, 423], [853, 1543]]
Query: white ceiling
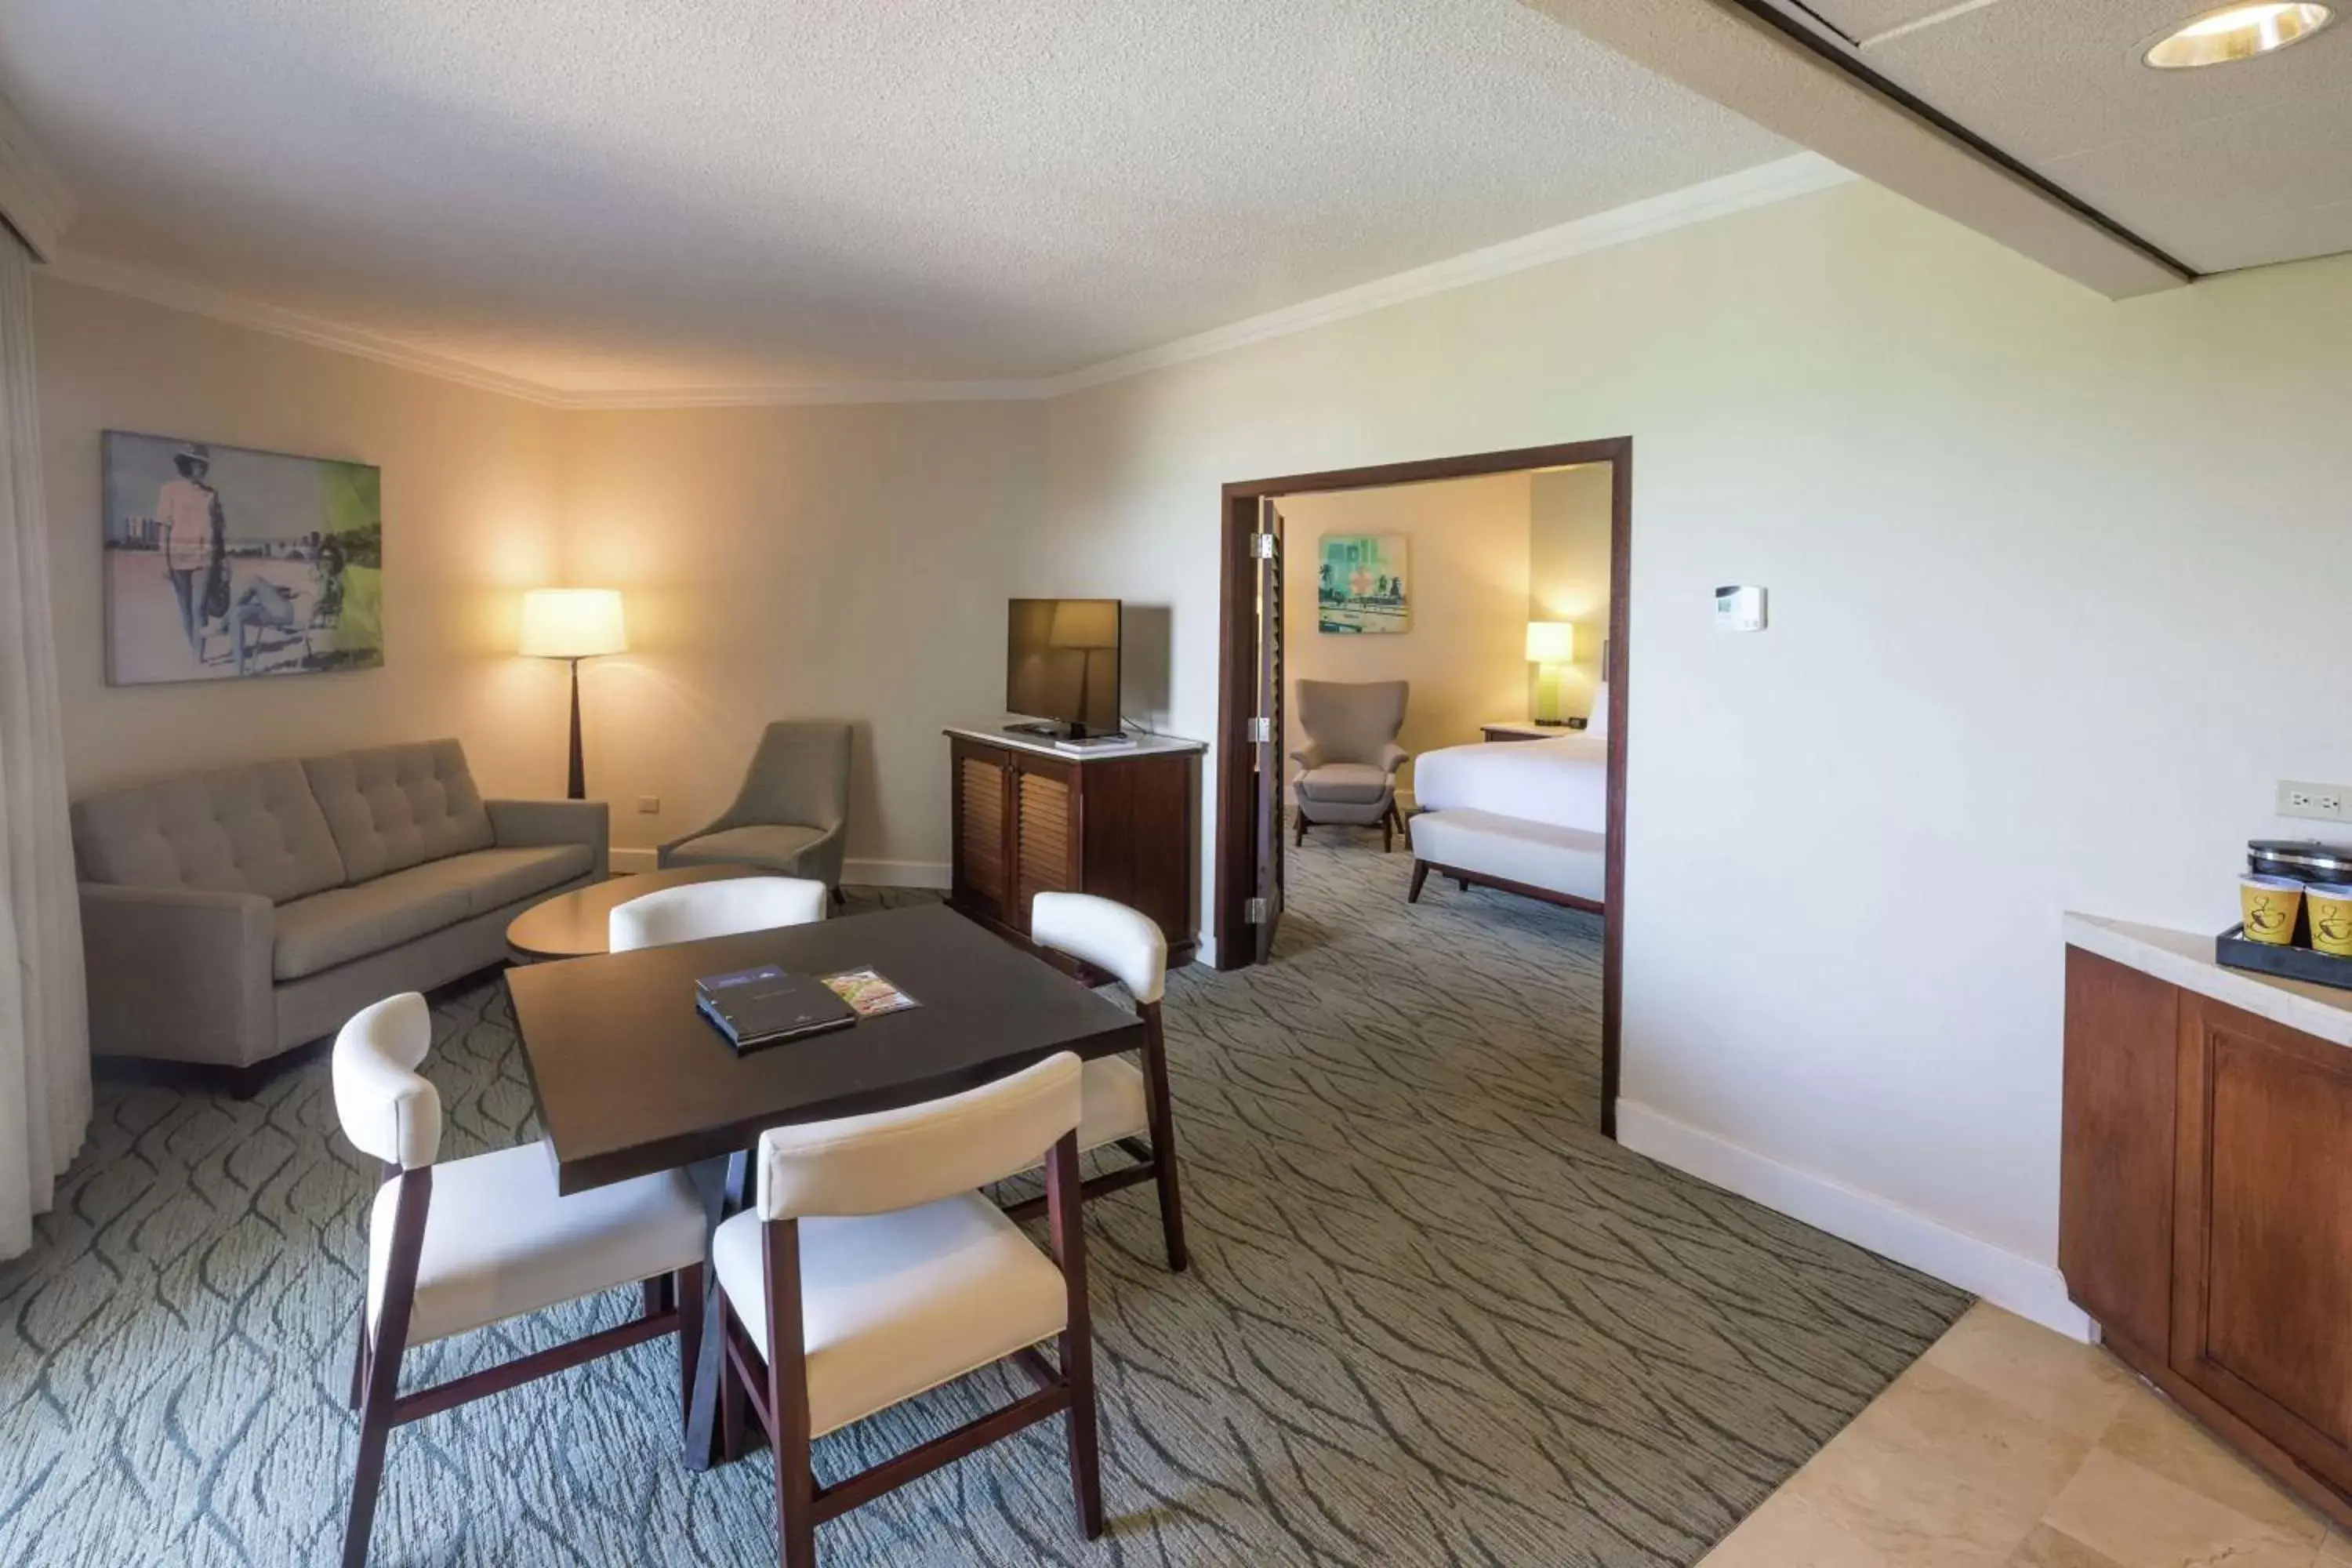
[[2229, 166], [623, 195]]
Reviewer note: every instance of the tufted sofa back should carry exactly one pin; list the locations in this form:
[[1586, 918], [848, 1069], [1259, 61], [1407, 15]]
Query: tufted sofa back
[[255, 829], [394, 807], [287, 829]]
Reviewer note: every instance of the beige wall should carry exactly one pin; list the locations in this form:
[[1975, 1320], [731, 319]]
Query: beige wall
[[846, 562], [2052, 583], [470, 520], [1567, 570], [1467, 572]]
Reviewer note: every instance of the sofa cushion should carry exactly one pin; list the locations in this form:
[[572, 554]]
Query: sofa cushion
[[492, 878], [391, 807], [778, 846], [255, 829], [344, 923]]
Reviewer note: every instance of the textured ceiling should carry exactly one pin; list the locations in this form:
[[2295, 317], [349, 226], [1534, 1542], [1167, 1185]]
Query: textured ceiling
[[609, 195], [2229, 166]]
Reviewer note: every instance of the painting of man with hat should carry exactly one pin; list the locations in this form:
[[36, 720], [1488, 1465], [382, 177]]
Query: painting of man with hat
[[224, 562]]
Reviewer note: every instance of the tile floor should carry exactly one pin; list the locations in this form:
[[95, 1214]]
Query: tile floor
[[2007, 1446]]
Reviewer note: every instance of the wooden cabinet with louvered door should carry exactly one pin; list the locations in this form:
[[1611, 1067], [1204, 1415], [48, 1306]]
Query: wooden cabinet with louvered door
[[1046, 831], [981, 874], [1123, 826]]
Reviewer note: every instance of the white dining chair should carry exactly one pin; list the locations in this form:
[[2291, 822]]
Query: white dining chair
[[870, 1269], [699, 910], [459, 1245], [1125, 1103]]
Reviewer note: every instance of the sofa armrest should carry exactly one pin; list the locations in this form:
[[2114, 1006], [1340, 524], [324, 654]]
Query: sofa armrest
[[532, 822], [179, 975], [1308, 756], [1392, 757]]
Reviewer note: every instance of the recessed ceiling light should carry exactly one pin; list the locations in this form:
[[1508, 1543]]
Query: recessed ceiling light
[[2236, 33]]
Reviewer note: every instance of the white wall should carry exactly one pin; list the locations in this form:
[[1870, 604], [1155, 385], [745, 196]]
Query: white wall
[[2057, 592], [1466, 571], [1567, 571]]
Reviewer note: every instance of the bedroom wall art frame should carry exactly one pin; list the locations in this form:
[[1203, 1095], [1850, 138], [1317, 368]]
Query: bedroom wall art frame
[[226, 563], [1363, 584]]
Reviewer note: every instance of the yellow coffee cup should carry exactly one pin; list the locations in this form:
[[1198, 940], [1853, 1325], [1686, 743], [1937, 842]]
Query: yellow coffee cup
[[2331, 917], [2270, 905]]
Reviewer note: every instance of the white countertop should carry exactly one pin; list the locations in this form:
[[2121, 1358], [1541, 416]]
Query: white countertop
[[1145, 745], [2184, 959]]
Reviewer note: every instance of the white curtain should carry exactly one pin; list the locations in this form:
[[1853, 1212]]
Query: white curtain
[[44, 1020]]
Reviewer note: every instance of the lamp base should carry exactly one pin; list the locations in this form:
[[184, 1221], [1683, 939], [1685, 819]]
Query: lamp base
[[1548, 695], [579, 790]]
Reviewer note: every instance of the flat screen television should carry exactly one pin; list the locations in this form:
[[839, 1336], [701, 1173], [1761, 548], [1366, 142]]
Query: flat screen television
[[1061, 664]]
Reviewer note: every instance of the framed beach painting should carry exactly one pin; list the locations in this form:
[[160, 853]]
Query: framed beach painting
[[1360, 584], [225, 563]]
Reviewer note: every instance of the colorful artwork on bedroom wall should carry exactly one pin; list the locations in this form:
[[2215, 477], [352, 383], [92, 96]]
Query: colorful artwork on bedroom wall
[[223, 562], [1360, 584]]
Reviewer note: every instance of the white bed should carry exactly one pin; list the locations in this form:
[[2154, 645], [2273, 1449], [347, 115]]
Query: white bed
[[1563, 782], [1526, 816]]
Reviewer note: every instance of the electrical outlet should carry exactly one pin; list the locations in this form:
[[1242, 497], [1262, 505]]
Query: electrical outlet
[[649, 804], [2321, 801]]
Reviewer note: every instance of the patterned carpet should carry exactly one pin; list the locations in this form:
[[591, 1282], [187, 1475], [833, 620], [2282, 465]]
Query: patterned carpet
[[1433, 1316]]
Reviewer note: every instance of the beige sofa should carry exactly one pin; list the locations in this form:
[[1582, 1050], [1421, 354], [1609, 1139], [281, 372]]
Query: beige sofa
[[230, 916]]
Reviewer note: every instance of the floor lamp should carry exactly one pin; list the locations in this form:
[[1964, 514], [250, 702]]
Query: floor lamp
[[574, 624]]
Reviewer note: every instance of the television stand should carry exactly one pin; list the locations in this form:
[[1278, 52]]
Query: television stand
[[1029, 815]]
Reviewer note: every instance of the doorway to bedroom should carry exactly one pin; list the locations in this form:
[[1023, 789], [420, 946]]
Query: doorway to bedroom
[[1422, 736]]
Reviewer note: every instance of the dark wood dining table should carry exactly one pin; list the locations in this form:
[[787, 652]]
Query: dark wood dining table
[[630, 1079]]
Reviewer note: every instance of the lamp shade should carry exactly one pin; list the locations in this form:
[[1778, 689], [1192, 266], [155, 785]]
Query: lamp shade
[[572, 623], [1551, 642]]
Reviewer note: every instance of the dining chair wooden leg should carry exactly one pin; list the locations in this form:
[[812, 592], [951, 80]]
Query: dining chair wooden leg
[[384, 1362], [360, 1360], [787, 1409], [687, 1288], [1161, 1113], [1064, 1202], [730, 1397]]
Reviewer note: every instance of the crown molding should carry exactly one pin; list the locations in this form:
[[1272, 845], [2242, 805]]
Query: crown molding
[[1759, 186], [34, 198], [757, 396], [194, 298], [1778, 181]]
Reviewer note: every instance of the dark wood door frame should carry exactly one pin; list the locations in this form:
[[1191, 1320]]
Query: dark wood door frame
[[1238, 847]]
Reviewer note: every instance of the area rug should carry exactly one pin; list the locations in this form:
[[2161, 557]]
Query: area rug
[[1433, 1316]]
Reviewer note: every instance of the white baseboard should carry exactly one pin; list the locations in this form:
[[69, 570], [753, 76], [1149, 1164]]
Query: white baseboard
[[896, 873], [2031, 1289], [855, 873]]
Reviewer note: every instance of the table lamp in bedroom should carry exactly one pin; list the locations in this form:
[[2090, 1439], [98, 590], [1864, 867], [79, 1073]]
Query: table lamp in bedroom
[[574, 624], [1551, 644]]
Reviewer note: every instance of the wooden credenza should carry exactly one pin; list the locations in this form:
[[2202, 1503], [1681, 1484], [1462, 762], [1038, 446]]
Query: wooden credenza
[[1028, 820], [2205, 1217]]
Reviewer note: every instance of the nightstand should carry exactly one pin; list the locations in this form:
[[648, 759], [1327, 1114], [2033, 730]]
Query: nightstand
[[1522, 731]]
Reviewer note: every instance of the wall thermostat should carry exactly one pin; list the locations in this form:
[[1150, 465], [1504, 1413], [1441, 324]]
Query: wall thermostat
[[1739, 608]]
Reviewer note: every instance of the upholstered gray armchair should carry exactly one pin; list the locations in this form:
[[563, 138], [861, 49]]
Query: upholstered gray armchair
[[791, 813], [1349, 766]]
